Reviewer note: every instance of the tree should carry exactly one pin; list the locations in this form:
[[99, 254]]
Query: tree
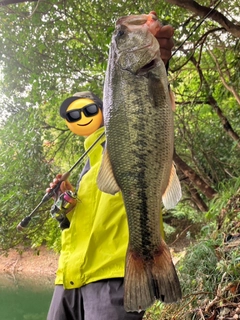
[[22, 169], [215, 15], [7, 2], [49, 50]]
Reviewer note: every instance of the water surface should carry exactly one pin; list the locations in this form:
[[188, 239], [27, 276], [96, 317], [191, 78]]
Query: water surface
[[23, 298]]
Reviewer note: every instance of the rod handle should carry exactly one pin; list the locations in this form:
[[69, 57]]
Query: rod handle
[[23, 224]]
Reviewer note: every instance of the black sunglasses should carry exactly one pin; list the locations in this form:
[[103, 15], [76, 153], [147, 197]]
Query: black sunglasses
[[75, 115]]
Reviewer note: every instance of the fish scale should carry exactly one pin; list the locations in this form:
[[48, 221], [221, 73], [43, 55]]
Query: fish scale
[[137, 160]]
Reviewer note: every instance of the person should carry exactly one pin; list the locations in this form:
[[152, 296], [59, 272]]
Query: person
[[90, 275]]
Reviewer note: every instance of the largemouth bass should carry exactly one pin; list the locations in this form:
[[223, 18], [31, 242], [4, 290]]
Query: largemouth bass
[[138, 157]]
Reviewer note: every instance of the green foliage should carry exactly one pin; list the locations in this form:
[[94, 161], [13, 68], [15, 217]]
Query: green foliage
[[25, 173], [53, 50], [227, 189], [210, 266], [206, 273], [198, 268], [212, 260], [154, 312], [230, 264]]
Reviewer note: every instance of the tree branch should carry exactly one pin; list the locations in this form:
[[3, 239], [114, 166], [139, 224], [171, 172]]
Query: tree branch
[[215, 15], [224, 81], [196, 180], [213, 103], [7, 2]]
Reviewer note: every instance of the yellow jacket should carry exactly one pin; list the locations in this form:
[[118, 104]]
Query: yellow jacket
[[95, 244]]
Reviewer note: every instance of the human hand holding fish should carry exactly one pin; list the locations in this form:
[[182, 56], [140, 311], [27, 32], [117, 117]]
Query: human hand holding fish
[[163, 34]]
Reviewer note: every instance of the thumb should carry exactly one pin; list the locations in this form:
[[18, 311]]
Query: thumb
[[66, 185]]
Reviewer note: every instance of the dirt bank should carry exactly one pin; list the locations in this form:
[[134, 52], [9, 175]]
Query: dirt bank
[[42, 262], [35, 267]]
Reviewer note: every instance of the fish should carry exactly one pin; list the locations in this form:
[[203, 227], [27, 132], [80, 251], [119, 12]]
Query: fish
[[138, 157]]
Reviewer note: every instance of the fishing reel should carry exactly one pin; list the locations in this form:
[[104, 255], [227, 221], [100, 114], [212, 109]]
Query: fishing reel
[[64, 203]]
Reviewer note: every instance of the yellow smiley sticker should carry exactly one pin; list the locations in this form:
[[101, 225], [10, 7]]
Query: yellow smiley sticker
[[83, 117]]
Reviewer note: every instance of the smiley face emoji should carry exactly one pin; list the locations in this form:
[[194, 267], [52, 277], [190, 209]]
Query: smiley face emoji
[[83, 116]]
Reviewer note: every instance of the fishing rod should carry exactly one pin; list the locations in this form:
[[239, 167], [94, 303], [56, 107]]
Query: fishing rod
[[196, 27], [53, 191]]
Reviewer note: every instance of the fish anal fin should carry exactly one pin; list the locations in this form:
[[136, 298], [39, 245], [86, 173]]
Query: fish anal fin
[[173, 192], [146, 281], [106, 181]]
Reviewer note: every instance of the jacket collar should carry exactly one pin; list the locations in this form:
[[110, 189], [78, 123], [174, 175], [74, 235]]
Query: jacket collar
[[93, 137]]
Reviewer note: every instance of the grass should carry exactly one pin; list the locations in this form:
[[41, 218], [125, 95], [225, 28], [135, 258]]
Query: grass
[[209, 271]]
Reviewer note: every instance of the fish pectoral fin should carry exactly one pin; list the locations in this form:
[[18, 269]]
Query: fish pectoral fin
[[106, 180], [173, 192], [172, 99]]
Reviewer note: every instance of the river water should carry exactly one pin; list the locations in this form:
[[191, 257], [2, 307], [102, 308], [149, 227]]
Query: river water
[[23, 298]]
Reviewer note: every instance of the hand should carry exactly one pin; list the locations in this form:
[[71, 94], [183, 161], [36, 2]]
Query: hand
[[64, 186], [165, 40], [164, 35]]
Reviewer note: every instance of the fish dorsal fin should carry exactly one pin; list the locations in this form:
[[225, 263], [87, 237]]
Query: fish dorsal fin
[[173, 192], [106, 180]]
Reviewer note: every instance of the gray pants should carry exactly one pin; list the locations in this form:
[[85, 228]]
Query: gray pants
[[101, 300]]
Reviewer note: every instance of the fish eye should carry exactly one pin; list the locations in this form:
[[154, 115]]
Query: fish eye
[[120, 33]]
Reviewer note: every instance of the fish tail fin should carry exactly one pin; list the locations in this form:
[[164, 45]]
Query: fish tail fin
[[146, 281]]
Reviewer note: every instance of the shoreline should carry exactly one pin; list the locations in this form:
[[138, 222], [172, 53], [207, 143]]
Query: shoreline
[[30, 266]]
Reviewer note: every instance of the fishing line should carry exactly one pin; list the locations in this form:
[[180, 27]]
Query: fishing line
[[197, 26]]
